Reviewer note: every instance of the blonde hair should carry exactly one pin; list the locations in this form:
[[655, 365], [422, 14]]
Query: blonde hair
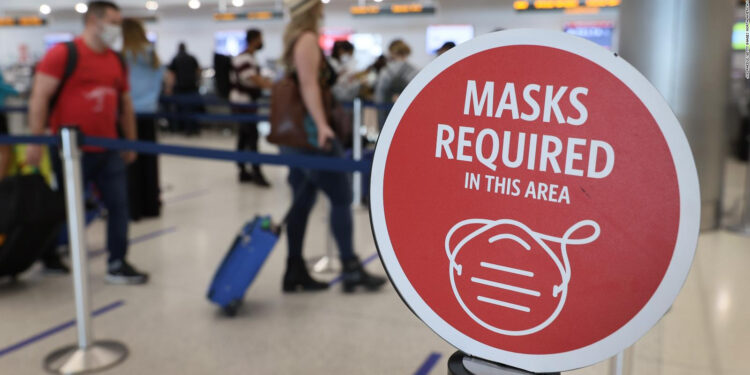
[[399, 48], [298, 25], [135, 42]]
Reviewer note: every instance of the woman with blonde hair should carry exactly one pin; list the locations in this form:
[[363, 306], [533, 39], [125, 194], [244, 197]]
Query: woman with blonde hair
[[305, 62], [145, 77]]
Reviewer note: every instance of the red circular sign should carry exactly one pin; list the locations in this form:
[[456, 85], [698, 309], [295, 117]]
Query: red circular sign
[[535, 200]]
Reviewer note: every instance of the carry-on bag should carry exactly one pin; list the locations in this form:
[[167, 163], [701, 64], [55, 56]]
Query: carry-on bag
[[242, 263], [30, 218]]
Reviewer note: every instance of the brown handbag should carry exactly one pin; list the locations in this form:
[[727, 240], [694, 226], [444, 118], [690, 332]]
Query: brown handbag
[[288, 115]]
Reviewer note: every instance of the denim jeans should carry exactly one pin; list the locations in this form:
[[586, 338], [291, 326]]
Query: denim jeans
[[107, 171], [305, 185]]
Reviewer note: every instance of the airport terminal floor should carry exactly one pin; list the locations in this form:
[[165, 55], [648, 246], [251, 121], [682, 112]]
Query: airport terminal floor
[[170, 327]]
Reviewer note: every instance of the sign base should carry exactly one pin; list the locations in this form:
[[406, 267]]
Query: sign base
[[463, 364]]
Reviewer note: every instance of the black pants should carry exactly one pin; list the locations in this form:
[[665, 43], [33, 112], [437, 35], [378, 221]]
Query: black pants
[[247, 136], [143, 177]]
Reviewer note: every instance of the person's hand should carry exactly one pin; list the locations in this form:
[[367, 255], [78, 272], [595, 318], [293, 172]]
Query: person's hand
[[324, 134], [33, 155], [129, 156]]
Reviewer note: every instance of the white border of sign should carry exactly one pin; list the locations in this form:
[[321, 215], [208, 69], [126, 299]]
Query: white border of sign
[[687, 236]]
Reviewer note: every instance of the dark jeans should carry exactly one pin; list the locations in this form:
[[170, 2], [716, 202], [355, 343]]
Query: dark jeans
[[305, 185], [107, 171], [247, 136]]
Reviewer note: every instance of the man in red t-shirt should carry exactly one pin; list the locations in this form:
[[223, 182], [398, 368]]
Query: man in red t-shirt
[[95, 97]]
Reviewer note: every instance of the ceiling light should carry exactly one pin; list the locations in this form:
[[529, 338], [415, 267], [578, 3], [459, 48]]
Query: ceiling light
[[82, 8], [45, 9], [325, 1], [378, 1], [152, 5], [238, 3], [194, 4]]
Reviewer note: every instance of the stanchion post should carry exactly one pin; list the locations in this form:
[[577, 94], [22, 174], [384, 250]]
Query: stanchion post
[[357, 150], [743, 227], [86, 356]]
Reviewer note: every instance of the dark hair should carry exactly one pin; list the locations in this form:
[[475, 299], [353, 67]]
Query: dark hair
[[339, 47], [251, 35], [98, 8], [379, 64], [181, 47]]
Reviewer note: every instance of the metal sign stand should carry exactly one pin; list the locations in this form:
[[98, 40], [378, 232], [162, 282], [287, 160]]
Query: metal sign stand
[[743, 227], [87, 355]]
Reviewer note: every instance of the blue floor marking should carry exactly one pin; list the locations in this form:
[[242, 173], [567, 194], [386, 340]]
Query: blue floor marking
[[428, 364], [186, 196], [56, 329]]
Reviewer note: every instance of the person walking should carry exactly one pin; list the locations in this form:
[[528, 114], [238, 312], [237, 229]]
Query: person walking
[[92, 97], [145, 78], [305, 62], [247, 87]]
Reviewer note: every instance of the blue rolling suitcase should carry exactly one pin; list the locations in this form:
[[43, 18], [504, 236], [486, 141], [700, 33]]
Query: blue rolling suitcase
[[242, 263]]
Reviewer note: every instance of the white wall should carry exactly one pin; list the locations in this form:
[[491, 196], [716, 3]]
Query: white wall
[[196, 28]]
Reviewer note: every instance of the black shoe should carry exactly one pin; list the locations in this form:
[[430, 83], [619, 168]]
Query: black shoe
[[354, 275], [298, 279], [259, 179], [54, 266], [122, 273], [245, 176]]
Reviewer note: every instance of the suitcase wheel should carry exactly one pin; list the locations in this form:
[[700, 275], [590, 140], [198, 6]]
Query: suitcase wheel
[[232, 307]]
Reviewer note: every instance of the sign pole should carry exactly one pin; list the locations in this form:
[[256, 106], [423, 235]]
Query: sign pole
[[87, 355], [357, 150]]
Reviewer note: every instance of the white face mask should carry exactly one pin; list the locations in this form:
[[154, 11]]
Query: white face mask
[[110, 35]]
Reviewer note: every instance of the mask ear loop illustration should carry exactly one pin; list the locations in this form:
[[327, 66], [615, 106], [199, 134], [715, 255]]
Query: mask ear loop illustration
[[563, 266]]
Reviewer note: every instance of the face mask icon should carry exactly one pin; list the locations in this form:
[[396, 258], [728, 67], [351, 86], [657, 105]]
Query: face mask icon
[[511, 279]]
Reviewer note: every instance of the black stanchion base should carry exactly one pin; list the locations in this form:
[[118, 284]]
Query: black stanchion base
[[463, 364]]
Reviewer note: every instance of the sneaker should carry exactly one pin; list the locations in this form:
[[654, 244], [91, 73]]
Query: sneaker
[[54, 266], [122, 273]]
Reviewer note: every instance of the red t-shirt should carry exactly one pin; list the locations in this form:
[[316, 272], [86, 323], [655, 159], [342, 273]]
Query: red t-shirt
[[90, 97]]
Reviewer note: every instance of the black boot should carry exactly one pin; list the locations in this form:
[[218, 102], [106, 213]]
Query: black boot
[[355, 275], [297, 278], [258, 177]]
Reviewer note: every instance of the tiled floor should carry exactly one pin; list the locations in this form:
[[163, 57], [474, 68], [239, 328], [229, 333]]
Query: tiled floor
[[170, 328]]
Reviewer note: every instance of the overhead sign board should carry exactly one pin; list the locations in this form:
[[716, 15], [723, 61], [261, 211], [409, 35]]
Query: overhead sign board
[[535, 200], [394, 9], [22, 21], [253, 16]]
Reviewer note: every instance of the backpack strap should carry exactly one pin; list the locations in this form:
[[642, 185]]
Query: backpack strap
[[70, 67]]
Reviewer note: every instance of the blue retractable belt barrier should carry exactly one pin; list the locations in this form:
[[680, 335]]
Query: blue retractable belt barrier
[[324, 163], [29, 139], [383, 106]]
